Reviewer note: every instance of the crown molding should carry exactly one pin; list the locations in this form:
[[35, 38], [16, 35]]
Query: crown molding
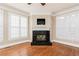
[[12, 9], [68, 10]]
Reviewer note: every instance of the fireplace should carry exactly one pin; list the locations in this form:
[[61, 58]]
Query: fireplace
[[41, 37]]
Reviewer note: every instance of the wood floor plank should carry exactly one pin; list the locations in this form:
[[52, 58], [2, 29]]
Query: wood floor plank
[[25, 49]]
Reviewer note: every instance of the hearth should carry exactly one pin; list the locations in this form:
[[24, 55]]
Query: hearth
[[41, 37]]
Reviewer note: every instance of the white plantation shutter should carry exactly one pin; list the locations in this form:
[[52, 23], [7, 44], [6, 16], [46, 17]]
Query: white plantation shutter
[[1, 25], [24, 26], [67, 26], [18, 26], [13, 26]]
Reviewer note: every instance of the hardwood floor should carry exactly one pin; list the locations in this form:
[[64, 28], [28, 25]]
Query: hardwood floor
[[25, 49]]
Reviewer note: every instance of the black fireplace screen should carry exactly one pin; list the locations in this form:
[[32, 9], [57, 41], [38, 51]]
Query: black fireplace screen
[[41, 37]]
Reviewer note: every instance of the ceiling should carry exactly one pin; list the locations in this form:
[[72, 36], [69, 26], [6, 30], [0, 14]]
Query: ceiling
[[36, 8]]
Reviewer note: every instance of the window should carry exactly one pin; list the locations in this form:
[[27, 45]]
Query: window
[[67, 26], [24, 26], [13, 26], [1, 25], [18, 26]]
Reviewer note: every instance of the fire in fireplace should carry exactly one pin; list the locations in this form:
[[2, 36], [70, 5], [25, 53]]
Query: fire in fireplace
[[41, 37]]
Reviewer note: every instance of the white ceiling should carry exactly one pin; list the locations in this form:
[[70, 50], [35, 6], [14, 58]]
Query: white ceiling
[[36, 8]]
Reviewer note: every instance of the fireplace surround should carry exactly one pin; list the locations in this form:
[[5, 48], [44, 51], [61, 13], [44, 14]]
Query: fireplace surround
[[41, 37]]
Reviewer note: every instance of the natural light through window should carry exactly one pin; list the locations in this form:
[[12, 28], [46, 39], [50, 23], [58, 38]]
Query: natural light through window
[[18, 26], [1, 25], [68, 27]]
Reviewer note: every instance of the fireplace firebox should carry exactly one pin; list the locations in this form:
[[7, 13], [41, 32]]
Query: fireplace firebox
[[41, 37]]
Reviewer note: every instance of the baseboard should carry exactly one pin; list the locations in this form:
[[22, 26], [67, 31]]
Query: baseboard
[[19, 42], [14, 43], [67, 43]]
